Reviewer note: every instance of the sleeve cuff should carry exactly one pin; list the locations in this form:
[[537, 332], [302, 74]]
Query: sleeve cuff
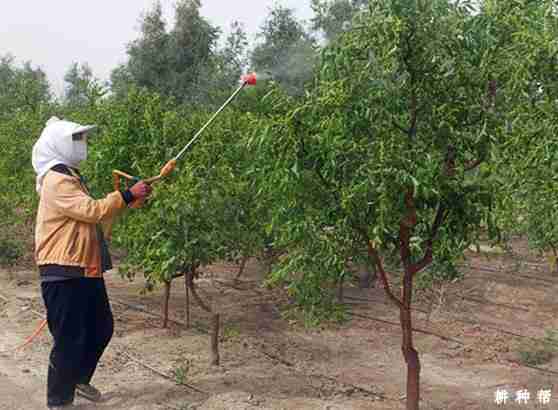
[[127, 196]]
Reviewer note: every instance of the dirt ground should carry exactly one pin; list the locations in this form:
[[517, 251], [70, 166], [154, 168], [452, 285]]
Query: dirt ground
[[470, 335]]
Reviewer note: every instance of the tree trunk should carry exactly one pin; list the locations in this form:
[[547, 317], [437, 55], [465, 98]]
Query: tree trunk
[[241, 268], [407, 347], [187, 300], [340, 296], [367, 275], [215, 340], [166, 304], [555, 253], [404, 304]]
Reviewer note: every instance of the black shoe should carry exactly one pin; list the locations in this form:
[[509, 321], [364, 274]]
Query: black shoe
[[88, 392]]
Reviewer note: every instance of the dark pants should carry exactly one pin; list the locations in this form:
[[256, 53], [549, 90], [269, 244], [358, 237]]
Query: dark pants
[[81, 323]]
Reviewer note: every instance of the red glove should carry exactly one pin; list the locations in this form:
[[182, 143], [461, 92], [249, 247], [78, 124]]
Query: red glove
[[141, 190]]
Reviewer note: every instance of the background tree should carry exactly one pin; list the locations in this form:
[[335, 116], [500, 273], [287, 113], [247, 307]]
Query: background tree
[[287, 50], [22, 88], [25, 104], [234, 53], [333, 17], [193, 42], [526, 166], [82, 88], [171, 62], [227, 65], [148, 56]]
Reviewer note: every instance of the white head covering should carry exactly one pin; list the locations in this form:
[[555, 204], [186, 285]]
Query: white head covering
[[56, 146]]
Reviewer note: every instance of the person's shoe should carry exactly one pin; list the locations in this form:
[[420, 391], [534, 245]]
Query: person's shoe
[[61, 407], [88, 392]]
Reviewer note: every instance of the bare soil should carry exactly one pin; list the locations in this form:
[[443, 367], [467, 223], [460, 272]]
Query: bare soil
[[268, 361]]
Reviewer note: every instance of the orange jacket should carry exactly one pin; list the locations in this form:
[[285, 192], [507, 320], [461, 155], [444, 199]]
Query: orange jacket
[[66, 230]]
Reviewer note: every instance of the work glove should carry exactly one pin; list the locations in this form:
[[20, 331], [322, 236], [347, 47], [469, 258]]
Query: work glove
[[141, 190]]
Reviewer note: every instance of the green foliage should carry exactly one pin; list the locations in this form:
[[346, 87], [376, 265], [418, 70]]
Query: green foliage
[[24, 108], [542, 354], [230, 333], [526, 164], [10, 251], [11, 247], [403, 104], [438, 272], [18, 133], [208, 210], [181, 373], [535, 358], [316, 266], [315, 315]]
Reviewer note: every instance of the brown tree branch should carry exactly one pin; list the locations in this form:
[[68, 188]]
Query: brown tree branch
[[414, 116], [194, 292], [470, 165], [441, 214], [375, 258], [492, 88], [215, 319], [426, 260]]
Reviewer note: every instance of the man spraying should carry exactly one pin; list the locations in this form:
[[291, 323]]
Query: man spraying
[[72, 256]]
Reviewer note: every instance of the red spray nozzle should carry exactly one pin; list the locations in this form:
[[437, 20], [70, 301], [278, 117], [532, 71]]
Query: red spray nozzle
[[249, 79]]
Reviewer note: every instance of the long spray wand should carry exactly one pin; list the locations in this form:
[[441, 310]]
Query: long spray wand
[[168, 168]]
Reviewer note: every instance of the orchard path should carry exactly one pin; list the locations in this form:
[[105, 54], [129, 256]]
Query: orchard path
[[269, 361]]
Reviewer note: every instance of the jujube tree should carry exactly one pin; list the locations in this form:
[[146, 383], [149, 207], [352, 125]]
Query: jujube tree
[[381, 156]]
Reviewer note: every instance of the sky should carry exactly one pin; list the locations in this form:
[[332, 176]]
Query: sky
[[54, 34]]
